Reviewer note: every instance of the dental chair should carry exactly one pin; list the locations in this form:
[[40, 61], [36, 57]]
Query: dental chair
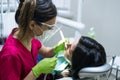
[[95, 73], [88, 73], [98, 73]]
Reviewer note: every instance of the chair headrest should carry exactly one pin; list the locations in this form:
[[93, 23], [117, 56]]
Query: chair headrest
[[98, 69]]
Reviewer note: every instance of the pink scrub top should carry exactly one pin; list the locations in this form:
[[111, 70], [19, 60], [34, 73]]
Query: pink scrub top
[[16, 61]]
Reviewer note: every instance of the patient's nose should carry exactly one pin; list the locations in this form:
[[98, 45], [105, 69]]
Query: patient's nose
[[68, 46]]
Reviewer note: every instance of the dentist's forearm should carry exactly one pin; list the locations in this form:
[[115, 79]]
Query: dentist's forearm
[[30, 76], [46, 51]]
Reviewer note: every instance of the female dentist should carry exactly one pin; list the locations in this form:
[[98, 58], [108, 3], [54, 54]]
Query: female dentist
[[19, 54]]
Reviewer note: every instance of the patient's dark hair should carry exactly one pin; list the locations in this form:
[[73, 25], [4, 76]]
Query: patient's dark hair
[[88, 53]]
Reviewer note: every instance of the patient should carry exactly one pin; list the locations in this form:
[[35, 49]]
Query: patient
[[85, 52]]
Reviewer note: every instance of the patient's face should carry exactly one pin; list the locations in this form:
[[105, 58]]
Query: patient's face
[[69, 50]]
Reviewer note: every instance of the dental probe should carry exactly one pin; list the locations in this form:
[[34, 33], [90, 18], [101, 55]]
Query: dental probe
[[61, 34]]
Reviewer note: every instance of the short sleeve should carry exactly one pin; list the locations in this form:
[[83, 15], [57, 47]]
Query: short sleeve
[[10, 68], [36, 43]]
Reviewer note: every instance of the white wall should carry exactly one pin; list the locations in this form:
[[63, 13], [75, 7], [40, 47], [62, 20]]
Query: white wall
[[75, 10], [8, 23], [104, 16]]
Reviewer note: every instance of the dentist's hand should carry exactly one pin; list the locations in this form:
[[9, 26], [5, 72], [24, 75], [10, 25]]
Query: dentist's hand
[[60, 46], [46, 65]]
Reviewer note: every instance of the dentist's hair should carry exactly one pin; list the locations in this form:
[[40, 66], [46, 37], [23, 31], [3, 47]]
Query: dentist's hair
[[87, 53], [37, 10]]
